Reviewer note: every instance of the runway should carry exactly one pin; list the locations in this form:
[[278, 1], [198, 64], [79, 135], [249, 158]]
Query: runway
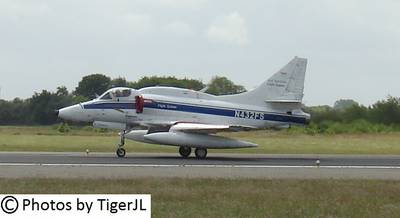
[[106, 165]]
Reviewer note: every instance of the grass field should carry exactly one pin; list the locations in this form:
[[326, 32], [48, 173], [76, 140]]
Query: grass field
[[185, 197], [270, 142], [238, 198]]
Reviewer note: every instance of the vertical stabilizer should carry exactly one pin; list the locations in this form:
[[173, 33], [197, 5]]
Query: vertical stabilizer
[[285, 86]]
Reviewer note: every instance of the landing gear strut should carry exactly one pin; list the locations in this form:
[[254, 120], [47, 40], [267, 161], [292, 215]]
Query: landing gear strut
[[201, 153], [185, 151], [120, 150]]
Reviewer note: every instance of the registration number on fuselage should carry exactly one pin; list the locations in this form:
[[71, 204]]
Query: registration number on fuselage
[[249, 115]]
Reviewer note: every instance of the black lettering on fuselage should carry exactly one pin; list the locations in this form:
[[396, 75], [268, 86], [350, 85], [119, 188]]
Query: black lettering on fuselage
[[249, 115]]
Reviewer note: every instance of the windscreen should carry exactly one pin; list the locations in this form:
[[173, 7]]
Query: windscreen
[[122, 93], [106, 96]]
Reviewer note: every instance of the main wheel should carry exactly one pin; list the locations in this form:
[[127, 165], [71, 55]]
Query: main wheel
[[121, 152], [201, 153], [185, 151]]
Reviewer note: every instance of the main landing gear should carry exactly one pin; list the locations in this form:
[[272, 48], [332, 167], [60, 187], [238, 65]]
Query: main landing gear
[[120, 150], [201, 153], [184, 151]]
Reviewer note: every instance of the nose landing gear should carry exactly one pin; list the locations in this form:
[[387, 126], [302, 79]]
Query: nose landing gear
[[120, 150]]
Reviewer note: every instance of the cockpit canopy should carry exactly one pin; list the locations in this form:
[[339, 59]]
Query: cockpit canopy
[[126, 95], [116, 93]]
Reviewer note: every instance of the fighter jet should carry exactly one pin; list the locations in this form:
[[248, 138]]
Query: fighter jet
[[190, 119]]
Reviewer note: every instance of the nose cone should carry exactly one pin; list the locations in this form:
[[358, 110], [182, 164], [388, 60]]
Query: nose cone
[[74, 113]]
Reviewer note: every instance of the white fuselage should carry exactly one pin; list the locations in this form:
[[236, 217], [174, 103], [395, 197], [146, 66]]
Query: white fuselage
[[166, 105]]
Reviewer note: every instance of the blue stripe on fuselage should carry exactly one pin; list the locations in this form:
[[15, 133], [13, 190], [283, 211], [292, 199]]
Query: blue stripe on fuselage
[[190, 108], [222, 112]]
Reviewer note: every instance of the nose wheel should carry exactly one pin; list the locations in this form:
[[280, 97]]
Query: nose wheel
[[120, 150]]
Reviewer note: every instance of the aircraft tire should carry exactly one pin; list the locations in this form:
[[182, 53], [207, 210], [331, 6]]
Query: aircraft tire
[[185, 151], [121, 152], [201, 153]]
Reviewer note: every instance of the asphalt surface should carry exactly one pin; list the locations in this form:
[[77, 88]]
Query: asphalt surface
[[212, 159], [107, 165]]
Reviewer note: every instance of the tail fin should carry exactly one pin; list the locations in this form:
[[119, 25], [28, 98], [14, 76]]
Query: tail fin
[[285, 86], [288, 84]]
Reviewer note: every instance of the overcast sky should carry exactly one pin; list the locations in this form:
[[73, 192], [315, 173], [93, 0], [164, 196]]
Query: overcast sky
[[353, 47]]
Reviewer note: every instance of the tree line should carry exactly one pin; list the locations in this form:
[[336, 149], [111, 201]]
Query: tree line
[[39, 109], [382, 112], [347, 116]]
